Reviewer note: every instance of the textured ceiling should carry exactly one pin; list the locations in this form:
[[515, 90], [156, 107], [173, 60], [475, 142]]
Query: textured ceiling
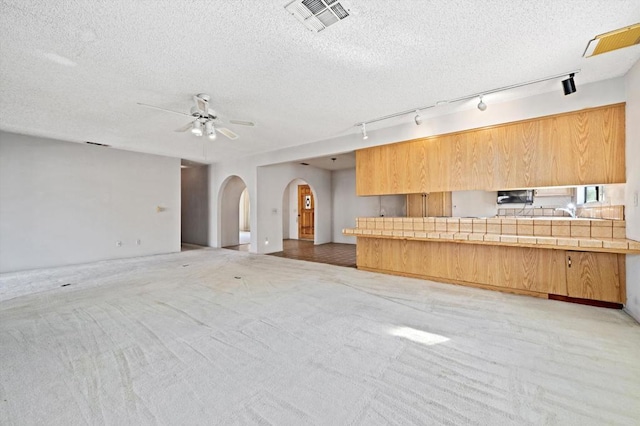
[[345, 160], [75, 69]]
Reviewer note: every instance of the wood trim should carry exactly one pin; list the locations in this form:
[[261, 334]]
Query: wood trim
[[598, 303], [500, 243], [622, 272]]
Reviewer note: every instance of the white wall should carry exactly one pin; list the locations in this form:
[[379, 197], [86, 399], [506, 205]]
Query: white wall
[[195, 205], [266, 187], [63, 203], [286, 216], [614, 194], [632, 190], [245, 211], [473, 203], [461, 116], [348, 206], [264, 183], [219, 176], [272, 182], [231, 193]]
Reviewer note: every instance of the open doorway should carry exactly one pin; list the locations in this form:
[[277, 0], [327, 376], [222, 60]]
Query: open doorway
[[194, 185], [299, 211], [235, 214], [245, 218]]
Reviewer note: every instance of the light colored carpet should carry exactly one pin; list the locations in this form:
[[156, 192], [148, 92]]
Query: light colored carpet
[[225, 337]]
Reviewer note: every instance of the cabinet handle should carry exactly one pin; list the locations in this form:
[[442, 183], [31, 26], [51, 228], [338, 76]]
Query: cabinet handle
[[569, 262]]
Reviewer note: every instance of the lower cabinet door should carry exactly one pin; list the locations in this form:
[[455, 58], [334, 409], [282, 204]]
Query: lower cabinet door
[[594, 276]]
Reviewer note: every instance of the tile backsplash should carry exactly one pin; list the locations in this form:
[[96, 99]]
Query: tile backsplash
[[595, 212]]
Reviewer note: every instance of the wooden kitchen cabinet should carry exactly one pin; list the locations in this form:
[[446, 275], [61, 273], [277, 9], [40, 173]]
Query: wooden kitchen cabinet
[[515, 269], [577, 148], [417, 205], [433, 204], [542, 272], [595, 276]]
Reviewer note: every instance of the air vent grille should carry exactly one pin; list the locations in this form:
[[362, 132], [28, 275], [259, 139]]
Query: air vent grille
[[339, 11], [314, 6], [327, 17], [317, 14]]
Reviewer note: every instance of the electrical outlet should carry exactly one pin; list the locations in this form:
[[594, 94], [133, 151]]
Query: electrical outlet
[[118, 243]]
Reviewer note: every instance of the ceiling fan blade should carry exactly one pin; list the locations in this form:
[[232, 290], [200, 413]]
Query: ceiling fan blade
[[185, 127], [243, 123], [162, 109], [228, 133]]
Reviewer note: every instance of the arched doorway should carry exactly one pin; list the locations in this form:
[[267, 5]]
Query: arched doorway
[[234, 205], [299, 216]]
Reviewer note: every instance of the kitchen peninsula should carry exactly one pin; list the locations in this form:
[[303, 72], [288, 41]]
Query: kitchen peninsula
[[545, 257], [556, 257]]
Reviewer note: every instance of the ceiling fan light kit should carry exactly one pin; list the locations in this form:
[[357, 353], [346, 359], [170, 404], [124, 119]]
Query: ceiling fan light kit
[[201, 115], [196, 128], [210, 130]]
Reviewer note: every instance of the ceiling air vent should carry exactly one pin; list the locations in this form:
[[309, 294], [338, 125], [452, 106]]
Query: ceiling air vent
[[317, 14]]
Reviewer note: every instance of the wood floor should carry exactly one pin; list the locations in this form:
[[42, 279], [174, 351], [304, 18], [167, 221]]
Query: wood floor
[[331, 253]]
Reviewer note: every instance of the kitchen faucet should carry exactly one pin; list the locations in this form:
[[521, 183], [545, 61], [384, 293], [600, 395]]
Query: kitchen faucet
[[571, 209]]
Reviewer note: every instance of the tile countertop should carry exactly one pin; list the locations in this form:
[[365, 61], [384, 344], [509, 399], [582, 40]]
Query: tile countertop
[[560, 233]]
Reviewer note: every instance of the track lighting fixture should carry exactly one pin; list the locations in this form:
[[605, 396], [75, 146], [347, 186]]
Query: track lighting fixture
[[196, 128], [364, 131], [418, 118], [569, 85], [481, 105], [210, 130]]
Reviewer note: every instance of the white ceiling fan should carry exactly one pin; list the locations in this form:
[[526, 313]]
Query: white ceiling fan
[[203, 119]]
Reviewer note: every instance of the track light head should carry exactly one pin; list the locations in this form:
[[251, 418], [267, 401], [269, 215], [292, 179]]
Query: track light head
[[417, 118], [481, 105], [196, 128], [364, 131], [569, 85]]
